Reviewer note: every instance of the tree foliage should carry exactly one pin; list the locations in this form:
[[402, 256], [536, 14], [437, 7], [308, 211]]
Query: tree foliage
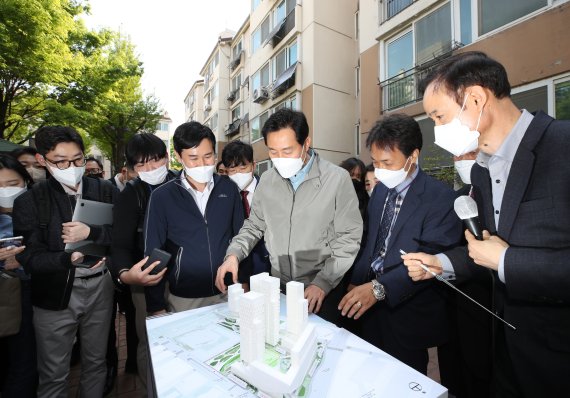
[[53, 70]]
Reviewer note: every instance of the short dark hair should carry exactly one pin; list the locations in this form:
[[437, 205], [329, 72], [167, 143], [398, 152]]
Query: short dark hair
[[190, 135], [287, 118], [92, 159], [144, 147], [7, 161], [237, 153], [220, 163], [396, 131], [350, 163], [28, 150], [48, 137], [369, 168], [472, 68]]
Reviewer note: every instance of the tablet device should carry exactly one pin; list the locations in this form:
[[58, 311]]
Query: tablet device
[[13, 241], [92, 213]]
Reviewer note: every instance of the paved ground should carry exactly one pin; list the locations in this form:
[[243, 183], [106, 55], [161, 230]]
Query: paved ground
[[127, 385]]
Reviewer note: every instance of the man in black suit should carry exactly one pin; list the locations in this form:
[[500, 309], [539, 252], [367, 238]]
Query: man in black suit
[[520, 184], [409, 211]]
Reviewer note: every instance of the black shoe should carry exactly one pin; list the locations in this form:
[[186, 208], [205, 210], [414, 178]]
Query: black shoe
[[110, 379]]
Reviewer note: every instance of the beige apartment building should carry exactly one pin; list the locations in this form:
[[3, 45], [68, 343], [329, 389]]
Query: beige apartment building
[[287, 53], [194, 102], [400, 40]]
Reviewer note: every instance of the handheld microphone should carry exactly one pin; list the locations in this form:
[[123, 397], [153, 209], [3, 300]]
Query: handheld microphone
[[466, 209]]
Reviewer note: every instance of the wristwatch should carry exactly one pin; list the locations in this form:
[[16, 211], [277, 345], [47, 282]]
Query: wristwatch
[[378, 290], [119, 276]]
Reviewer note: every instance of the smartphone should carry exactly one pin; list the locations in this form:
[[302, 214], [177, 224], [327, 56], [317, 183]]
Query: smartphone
[[157, 255], [89, 261], [14, 241]]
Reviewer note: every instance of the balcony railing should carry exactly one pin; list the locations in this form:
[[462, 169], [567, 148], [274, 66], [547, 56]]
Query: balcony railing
[[281, 30], [403, 88], [390, 8]]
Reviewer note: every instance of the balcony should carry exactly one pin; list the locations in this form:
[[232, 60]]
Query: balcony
[[403, 89], [232, 96], [285, 81], [236, 61], [281, 30], [233, 127], [391, 8]]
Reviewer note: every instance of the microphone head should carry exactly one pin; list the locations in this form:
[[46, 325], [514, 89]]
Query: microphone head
[[465, 207]]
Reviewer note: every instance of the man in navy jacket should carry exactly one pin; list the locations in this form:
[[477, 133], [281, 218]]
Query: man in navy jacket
[[408, 211], [193, 217]]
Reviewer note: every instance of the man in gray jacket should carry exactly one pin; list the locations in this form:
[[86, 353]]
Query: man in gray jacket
[[307, 210]]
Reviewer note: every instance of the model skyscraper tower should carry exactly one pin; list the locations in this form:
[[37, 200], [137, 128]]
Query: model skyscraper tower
[[258, 310], [269, 287]]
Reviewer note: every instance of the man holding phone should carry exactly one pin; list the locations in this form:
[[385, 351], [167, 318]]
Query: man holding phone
[[67, 293]]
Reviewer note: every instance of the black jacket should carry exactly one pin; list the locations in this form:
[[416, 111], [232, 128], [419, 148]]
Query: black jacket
[[197, 243], [535, 222], [127, 247], [44, 257]]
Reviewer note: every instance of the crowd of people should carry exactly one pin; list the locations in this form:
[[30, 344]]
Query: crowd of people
[[340, 230]]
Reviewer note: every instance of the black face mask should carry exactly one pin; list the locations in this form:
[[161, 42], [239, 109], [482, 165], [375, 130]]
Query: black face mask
[[100, 175]]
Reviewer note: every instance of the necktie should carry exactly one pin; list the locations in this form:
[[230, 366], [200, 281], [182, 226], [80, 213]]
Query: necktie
[[246, 207], [384, 230]]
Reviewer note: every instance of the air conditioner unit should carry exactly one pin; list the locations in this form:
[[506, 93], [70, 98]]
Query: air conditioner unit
[[208, 108], [260, 95], [231, 96]]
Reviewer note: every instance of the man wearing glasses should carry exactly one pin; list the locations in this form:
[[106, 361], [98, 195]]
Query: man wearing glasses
[[65, 297]]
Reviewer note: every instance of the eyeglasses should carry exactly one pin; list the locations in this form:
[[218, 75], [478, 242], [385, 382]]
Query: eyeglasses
[[93, 171], [65, 164]]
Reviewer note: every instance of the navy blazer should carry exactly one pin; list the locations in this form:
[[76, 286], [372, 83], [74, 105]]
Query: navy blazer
[[535, 222], [426, 222]]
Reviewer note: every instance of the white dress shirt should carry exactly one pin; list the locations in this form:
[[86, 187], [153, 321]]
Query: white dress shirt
[[201, 198]]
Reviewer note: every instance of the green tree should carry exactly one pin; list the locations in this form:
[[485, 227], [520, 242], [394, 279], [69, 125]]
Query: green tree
[[34, 56]]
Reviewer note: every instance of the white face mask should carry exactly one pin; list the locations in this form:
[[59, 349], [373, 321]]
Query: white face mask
[[200, 174], [392, 178], [37, 174], [288, 167], [9, 194], [456, 137], [70, 176], [154, 177], [463, 168], [242, 179]]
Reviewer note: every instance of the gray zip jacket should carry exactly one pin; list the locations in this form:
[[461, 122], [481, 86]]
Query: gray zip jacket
[[312, 235]]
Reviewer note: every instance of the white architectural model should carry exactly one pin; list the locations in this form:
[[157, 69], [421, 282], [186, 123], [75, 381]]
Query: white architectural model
[[234, 293], [269, 287], [259, 310]]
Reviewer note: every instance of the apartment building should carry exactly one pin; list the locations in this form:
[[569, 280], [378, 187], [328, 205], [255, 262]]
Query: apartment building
[[401, 40], [194, 102], [288, 53]]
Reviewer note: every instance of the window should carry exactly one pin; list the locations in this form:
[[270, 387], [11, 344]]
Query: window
[[532, 100], [494, 14], [237, 50], [279, 14], [433, 34], [465, 21], [290, 103], [260, 34], [284, 59], [262, 167], [390, 8], [162, 126], [562, 100], [214, 122], [257, 124], [236, 113], [255, 4], [215, 90], [261, 77], [236, 84]]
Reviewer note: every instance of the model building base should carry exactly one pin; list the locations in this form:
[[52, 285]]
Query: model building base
[[288, 375]]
